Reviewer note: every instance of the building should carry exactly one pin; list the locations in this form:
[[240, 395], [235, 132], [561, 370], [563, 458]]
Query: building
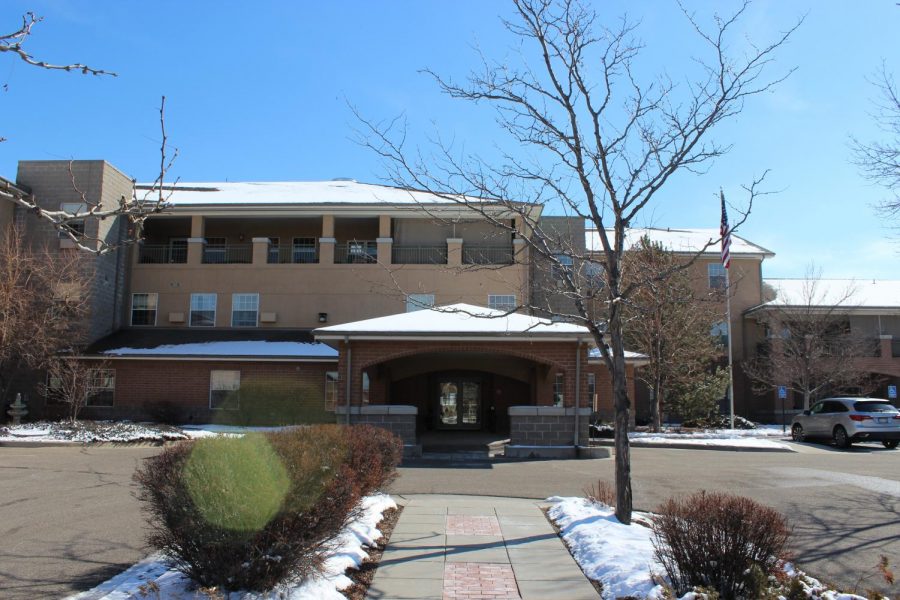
[[308, 298]]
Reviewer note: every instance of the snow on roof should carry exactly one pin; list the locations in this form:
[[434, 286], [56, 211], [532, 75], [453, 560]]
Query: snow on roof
[[853, 293], [594, 353], [459, 319], [338, 191], [679, 240], [255, 348]]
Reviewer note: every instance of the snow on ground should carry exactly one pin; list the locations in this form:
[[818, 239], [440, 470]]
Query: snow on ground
[[85, 432], [761, 431], [618, 556], [349, 552], [621, 556], [734, 442]]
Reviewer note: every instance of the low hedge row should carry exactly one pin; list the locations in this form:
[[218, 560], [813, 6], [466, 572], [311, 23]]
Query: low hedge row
[[250, 512]]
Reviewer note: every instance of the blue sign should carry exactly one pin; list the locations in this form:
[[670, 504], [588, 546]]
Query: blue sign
[[892, 392], [782, 392]]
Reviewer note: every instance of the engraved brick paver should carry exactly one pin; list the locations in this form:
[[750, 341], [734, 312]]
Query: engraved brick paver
[[473, 525], [477, 581]]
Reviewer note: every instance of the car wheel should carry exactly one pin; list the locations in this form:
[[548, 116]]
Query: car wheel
[[797, 433], [891, 444], [841, 439]]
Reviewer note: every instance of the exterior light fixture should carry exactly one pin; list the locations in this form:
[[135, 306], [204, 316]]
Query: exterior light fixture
[[323, 317]]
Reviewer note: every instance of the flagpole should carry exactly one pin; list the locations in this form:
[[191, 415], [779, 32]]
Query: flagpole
[[730, 370]]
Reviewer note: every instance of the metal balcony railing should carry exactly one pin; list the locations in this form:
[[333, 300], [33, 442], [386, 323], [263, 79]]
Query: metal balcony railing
[[365, 251], [161, 254], [419, 255], [487, 255], [228, 254], [297, 254]]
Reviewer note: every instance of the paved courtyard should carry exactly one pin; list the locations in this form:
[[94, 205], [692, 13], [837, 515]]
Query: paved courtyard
[[474, 548], [69, 520]]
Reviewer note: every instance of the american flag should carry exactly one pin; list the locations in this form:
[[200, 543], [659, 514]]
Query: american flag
[[725, 234]]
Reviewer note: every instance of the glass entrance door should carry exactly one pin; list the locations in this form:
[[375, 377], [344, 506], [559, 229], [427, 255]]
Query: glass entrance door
[[459, 403]]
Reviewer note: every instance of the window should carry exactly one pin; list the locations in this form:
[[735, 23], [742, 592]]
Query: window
[[76, 226], [143, 309], [558, 387], [214, 253], [592, 390], [331, 390], [416, 302], [716, 272], [103, 388], [224, 390], [365, 388], [203, 310], [720, 332], [304, 250], [561, 266], [506, 303], [244, 310]]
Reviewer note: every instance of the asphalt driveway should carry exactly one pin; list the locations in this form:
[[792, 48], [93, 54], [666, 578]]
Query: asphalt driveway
[[69, 520]]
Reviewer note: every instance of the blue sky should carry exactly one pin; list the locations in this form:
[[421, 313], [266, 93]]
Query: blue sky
[[259, 91]]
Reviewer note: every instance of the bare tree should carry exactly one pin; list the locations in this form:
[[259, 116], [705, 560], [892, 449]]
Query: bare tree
[[879, 161], [605, 143], [668, 322], [135, 208], [811, 348], [73, 382], [42, 306]]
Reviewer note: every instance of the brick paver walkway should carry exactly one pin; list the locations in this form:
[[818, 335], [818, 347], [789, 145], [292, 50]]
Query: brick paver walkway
[[476, 547]]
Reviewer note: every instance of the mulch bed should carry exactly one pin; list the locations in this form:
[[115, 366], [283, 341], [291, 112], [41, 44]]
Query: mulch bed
[[362, 577]]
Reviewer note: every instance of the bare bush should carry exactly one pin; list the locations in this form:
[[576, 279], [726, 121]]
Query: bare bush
[[249, 513], [603, 493], [720, 542]]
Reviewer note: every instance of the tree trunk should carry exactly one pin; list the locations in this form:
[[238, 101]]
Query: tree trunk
[[623, 421], [806, 398], [656, 405]]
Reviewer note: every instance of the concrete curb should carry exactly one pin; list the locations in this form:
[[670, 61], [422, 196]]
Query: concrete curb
[[683, 446]]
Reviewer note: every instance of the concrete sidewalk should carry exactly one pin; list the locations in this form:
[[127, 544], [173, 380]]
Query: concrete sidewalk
[[474, 547]]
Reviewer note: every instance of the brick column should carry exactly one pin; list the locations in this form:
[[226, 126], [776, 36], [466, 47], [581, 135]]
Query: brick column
[[385, 247], [195, 250], [454, 252], [885, 345], [326, 250]]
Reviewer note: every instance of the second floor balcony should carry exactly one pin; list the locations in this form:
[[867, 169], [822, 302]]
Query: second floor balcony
[[356, 252], [228, 254]]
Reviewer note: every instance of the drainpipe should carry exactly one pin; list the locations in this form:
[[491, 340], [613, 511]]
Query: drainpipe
[[349, 375], [577, 391]]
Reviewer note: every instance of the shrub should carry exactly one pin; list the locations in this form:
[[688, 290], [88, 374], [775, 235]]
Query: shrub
[[250, 512], [701, 398], [719, 541], [267, 402], [604, 493]]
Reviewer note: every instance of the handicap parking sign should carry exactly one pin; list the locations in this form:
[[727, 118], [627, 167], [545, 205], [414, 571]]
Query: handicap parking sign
[[782, 392], [892, 392]]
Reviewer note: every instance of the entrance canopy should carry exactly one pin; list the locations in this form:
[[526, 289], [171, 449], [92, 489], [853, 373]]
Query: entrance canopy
[[456, 322]]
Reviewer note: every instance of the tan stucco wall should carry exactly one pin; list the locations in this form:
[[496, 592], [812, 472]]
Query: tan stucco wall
[[299, 292]]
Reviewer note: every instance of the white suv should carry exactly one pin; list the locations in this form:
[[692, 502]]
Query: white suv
[[848, 420]]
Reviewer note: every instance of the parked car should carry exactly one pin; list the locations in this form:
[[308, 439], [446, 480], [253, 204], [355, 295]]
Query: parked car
[[848, 420]]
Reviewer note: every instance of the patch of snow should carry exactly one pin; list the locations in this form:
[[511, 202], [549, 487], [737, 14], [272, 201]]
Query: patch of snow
[[349, 552], [214, 429], [618, 556], [726, 442], [87, 432], [454, 318], [763, 431], [685, 240], [233, 348]]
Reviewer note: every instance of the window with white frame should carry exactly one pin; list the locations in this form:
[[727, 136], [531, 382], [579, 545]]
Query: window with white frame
[[416, 302], [143, 309], [103, 388], [331, 390], [76, 226], [504, 302], [559, 385], [224, 390], [365, 388], [203, 310], [716, 272], [592, 390], [244, 310]]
